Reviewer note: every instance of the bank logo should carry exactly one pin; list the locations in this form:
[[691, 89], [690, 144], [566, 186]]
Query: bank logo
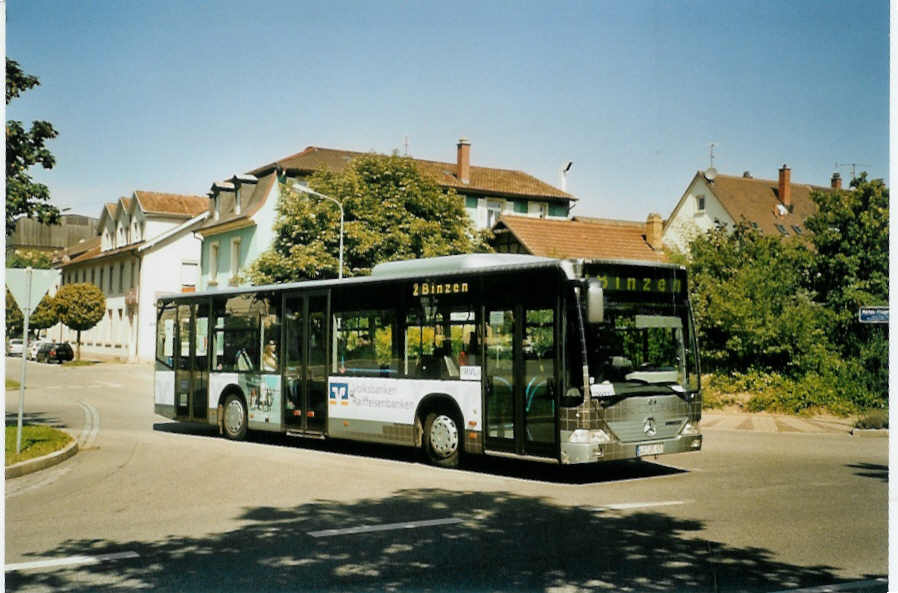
[[339, 392]]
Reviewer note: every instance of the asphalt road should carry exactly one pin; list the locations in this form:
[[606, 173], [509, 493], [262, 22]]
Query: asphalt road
[[153, 505]]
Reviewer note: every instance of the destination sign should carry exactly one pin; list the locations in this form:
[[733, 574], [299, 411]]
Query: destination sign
[[640, 283]]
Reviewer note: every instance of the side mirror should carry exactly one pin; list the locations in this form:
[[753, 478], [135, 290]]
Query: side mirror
[[595, 301]]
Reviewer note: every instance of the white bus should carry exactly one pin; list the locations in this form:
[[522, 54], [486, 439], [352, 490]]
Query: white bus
[[500, 354]]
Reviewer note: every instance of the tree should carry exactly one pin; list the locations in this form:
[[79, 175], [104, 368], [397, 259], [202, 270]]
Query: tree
[[24, 197], [44, 315], [752, 305], [392, 212], [80, 307], [851, 238], [14, 317], [33, 258]]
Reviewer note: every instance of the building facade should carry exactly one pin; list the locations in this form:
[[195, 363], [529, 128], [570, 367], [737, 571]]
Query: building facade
[[145, 248], [243, 208]]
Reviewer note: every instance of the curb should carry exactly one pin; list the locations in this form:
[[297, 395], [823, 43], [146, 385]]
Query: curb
[[32, 465], [870, 432]]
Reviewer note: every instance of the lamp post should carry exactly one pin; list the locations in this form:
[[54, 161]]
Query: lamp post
[[312, 192]]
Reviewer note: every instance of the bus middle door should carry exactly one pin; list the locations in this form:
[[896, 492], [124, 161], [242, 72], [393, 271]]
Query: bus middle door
[[305, 369]]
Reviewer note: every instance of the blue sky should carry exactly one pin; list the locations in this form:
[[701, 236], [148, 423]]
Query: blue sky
[[172, 95]]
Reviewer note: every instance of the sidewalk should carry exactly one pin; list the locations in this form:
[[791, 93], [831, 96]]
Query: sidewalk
[[735, 421]]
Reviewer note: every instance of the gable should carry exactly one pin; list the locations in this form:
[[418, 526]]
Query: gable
[[580, 238]]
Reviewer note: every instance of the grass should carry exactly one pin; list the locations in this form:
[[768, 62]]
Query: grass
[[80, 363], [37, 441], [12, 384]]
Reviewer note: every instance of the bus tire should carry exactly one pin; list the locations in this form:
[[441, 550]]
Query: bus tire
[[442, 439], [234, 417]]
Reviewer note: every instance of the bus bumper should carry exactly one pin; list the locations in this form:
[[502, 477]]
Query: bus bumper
[[572, 453]]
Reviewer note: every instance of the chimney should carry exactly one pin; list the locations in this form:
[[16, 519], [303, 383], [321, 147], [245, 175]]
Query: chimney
[[464, 160], [785, 186], [836, 181], [653, 231]]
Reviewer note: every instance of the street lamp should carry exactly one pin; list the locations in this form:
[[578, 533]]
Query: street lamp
[[312, 192]]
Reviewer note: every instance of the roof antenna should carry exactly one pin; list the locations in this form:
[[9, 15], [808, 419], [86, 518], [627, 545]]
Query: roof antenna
[[406, 145], [853, 168], [711, 173]]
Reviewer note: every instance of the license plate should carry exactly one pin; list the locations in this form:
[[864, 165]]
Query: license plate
[[651, 449]]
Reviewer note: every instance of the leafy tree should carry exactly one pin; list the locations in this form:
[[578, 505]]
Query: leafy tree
[[24, 258], [25, 148], [44, 315], [751, 303], [14, 317], [80, 307], [392, 212], [851, 238]]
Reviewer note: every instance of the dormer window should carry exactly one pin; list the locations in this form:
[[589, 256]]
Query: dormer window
[[216, 207], [237, 200]]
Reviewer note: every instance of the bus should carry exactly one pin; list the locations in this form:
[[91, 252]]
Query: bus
[[561, 361]]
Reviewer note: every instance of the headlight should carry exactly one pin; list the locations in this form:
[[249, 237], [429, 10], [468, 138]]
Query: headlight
[[594, 437]]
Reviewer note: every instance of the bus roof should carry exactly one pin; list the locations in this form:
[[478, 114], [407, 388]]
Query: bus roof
[[431, 267]]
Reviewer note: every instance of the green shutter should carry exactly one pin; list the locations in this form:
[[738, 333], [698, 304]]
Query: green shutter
[[470, 202], [558, 209], [520, 207]]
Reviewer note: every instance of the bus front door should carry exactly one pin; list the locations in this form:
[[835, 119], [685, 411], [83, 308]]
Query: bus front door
[[519, 379], [305, 369], [192, 362]]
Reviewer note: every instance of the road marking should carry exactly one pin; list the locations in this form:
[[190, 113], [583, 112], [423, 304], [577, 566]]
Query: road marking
[[385, 527], [91, 425], [626, 506], [842, 587], [71, 561], [19, 487]]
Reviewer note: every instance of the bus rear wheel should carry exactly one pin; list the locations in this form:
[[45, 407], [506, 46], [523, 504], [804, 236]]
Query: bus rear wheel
[[442, 439], [234, 417]]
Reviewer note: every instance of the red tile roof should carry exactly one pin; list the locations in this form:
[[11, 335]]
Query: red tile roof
[[580, 237], [757, 200], [171, 204], [483, 180]]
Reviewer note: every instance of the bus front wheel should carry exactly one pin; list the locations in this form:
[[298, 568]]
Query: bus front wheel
[[442, 439], [234, 417]]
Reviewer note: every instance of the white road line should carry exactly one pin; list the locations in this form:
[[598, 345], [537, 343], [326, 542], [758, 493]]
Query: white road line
[[71, 561], [625, 506], [91, 425], [836, 588], [19, 487], [385, 527]]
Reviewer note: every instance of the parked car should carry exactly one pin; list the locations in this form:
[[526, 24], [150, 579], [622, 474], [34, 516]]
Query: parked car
[[14, 348], [33, 348], [58, 351]]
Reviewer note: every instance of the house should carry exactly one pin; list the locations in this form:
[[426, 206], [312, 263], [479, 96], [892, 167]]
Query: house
[[144, 247], [243, 208], [581, 237], [774, 207]]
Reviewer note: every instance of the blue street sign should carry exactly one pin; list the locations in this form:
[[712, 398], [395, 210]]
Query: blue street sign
[[873, 314]]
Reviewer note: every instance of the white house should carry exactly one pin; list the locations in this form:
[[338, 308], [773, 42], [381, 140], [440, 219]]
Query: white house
[[774, 207], [145, 247]]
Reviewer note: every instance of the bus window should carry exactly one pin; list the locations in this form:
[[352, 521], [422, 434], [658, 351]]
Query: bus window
[[165, 333], [245, 324], [439, 342], [365, 343]]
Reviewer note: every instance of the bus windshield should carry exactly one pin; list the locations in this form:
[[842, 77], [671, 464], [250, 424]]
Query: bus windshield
[[642, 348]]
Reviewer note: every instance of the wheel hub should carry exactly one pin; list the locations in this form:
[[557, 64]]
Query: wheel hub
[[233, 419], [444, 436]]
